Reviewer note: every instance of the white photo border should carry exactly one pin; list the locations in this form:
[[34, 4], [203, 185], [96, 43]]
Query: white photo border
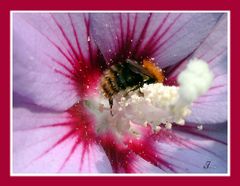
[[228, 12]]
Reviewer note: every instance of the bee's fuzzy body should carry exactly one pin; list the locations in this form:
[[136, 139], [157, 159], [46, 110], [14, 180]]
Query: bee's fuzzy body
[[129, 75]]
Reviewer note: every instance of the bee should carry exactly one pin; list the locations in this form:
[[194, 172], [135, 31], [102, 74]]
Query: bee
[[129, 76]]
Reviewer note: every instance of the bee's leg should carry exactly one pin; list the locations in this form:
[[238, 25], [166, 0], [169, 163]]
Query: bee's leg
[[140, 92], [133, 89], [111, 104]]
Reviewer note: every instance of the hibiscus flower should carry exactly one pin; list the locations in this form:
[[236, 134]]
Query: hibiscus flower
[[62, 123]]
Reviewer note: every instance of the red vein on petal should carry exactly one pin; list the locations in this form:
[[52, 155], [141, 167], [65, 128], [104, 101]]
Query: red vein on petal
[[83, 154], [114, 36], [142, 35], [65, 75], [120, 158], [132, 34], [58, 124], [87, 25], [153, 38], [179, 160], [61, 140], [202, 55], [219, 54], [128, 39], [218, 86], [50, 137], [62, 65], [206, 102], [62, 52], [65, 37], [52, 42], [84, 128], [49, 125], [170, 70], [74, 147], [180, 140], [121, 30], [211, 95], [191, 131], [157, 47], [146, 151], [134, 27], [219, 76], [154, 47], [169, 137], [76, 39], [57, 46], [128, 28], [89, 160]]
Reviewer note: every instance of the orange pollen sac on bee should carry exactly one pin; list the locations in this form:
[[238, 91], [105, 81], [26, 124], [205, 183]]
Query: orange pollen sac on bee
[[154, 70]]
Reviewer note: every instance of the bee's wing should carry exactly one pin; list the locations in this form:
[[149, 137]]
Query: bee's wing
[[135, 67]]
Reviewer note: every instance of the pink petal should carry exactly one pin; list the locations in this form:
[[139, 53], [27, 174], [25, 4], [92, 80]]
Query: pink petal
[[166, 37], [183, 150], [45, 142], [212, 106], [54, 60], [201, 148]]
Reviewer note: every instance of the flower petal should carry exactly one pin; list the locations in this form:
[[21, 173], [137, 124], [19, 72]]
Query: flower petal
[[45, 142], [184, 150], [54, 59], [212, 106], [167, 37], [204, 152]]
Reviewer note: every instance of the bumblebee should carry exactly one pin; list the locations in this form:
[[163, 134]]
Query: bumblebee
[[129, 76]]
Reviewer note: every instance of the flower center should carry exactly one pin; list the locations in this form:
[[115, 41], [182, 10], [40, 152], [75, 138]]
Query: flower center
[[155, 104]]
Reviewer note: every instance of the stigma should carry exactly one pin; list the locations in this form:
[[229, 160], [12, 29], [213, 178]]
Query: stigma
[[158, 105]]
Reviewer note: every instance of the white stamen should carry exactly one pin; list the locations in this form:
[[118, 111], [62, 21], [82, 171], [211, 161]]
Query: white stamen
[[158, 104], [194, 80], [168, 125]]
